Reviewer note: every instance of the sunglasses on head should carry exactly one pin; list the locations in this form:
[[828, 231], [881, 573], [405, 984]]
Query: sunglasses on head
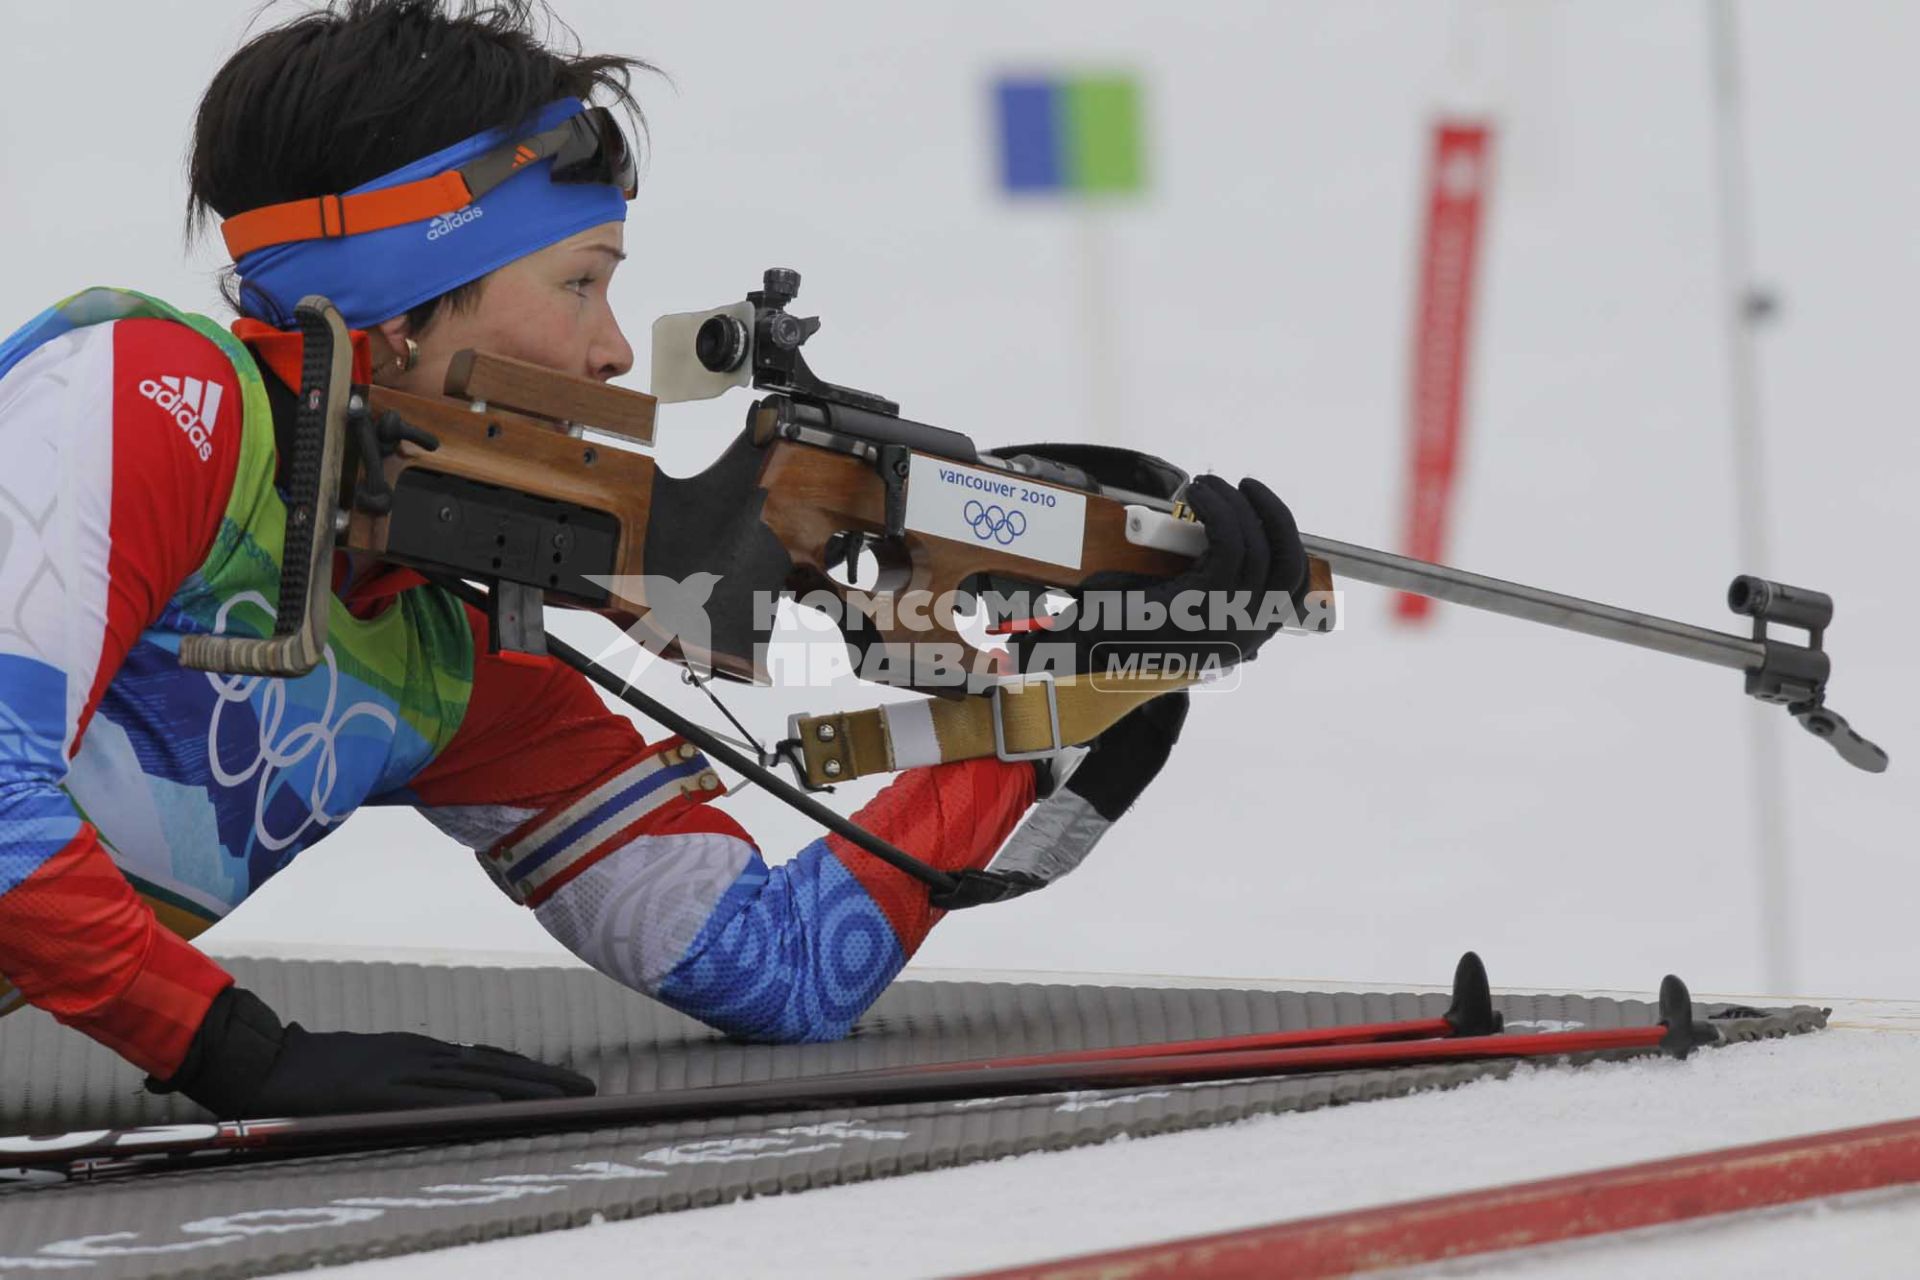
[[587, 147]]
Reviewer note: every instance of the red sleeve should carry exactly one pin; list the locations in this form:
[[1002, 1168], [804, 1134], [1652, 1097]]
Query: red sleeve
[[954, 816], [535, 732], [79, 943]]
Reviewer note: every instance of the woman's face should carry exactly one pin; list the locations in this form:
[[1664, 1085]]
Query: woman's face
[[548, 308]]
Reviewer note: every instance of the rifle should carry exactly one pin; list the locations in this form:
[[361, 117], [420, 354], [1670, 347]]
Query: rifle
[[495, 482]]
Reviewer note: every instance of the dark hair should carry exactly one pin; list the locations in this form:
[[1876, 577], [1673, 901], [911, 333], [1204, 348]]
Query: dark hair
[[337, 97]]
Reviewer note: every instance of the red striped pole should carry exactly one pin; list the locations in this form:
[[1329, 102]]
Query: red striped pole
[[1457, 172]]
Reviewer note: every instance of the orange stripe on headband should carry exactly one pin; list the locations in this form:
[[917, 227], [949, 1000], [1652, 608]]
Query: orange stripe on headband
[[329, 217]]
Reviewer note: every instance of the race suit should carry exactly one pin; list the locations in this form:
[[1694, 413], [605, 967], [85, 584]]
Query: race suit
[[141, 801]]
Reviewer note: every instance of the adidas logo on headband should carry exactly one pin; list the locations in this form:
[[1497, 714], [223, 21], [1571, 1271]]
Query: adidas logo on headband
[[448, 223]]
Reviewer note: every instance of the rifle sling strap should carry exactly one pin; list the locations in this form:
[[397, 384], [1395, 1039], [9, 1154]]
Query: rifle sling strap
[[1036, 719]]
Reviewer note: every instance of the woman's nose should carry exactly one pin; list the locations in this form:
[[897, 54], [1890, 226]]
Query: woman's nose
[[611, 354]]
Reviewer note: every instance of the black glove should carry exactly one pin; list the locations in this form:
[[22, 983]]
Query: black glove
[[1253, 558], [1112, 770], [244, 1064], [1083, 791]]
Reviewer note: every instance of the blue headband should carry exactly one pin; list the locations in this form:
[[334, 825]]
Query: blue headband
[[377, 275]]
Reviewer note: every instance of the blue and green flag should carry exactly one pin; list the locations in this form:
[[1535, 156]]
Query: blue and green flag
[[1072, 134]]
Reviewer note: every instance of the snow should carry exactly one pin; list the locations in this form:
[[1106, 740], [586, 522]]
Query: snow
[[1539, 1123]]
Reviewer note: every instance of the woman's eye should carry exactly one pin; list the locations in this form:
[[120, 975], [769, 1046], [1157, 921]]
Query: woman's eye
[[580, 285]]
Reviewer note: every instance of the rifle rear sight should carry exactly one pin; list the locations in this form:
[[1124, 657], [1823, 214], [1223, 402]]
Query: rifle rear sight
[[727, 341]]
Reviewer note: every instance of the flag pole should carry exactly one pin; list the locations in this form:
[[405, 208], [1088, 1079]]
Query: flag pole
[[1097, 321], [1743, 310]]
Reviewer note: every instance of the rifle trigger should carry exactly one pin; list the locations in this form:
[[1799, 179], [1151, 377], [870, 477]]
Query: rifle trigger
[[844, 548]]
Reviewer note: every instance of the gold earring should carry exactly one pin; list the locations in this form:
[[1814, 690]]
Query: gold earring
[[405, 363]]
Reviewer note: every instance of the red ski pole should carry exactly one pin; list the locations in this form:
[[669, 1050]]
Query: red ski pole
[[1471, 1014], [106, 1153]]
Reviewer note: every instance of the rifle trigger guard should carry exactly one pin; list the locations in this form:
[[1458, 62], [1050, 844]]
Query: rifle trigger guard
[[998, 706]]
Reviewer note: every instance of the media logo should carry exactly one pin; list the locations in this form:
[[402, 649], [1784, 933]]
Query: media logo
[[1211, 666]]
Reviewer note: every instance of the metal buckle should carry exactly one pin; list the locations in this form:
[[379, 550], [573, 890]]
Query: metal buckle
[[791, 751], [999, 718]]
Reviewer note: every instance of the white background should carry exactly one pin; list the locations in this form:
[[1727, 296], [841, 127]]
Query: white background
[[1366, 805]]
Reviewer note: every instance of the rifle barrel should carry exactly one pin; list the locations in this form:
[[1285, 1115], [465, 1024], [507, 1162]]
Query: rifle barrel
[[1570, 613]]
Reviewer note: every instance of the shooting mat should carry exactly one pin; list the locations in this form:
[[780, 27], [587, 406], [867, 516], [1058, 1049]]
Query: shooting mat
[[265, 1219]]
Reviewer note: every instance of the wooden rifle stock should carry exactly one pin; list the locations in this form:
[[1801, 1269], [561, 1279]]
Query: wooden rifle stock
[[510, 496]]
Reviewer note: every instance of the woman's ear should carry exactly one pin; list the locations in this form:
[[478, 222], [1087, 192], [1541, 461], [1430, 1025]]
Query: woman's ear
[[395, 332], [395, 354]]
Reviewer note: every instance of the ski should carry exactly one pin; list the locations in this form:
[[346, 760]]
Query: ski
[[99, 1154]]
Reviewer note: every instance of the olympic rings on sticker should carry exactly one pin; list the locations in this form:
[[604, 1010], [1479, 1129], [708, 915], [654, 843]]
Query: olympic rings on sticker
[[994, 523]]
